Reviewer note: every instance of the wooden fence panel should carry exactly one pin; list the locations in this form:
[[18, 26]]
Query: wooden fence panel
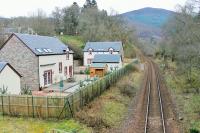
[[58, 107]]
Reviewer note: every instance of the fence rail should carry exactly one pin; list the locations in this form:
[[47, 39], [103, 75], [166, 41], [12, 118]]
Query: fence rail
[[58, 107]]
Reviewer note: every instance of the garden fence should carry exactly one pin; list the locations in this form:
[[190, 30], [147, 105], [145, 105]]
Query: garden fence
[[58, 107]]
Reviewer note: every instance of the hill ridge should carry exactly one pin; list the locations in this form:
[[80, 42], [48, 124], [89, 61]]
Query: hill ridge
[[148, 21]]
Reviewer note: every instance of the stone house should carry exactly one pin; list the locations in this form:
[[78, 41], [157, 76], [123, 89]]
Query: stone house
[[93, 48], [41, 60]]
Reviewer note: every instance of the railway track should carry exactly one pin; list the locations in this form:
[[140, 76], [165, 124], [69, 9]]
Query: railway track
[[154, 116], [153, 111]]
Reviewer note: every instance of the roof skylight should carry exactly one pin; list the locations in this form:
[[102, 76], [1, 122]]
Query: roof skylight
[[49, 50], [39, 50]]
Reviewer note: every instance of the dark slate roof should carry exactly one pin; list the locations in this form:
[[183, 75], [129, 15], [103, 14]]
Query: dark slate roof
[[3, 65], [103, 46], [98, 65], [35, 42], [106, 58]]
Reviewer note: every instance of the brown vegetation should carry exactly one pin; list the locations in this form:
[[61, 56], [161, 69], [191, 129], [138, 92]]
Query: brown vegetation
[[109, 110]]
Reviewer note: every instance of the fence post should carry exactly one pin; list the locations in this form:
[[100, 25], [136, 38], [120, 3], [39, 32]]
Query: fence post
[[92, 91], [9, 103], [47, 107], [72, 97], [27, 102], [2, 104], [80, 98], [33, 113], [99, 86]]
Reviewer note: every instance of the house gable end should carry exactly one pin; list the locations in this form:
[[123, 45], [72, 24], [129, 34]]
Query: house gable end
[[22, 59], [13, 35]]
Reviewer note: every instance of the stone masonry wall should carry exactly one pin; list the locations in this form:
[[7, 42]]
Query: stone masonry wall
[[23, 60]]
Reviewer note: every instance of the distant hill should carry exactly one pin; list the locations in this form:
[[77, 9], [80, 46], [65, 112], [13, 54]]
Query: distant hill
[[148, 21]]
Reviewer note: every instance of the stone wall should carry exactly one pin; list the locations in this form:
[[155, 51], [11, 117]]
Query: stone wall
[[23, 60]]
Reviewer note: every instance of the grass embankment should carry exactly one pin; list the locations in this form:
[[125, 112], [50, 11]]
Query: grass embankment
[[76, 43], [188, 103], [29, 125], [109, 110], [73, 40]]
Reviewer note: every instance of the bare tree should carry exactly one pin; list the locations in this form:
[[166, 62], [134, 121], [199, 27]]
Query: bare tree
[[41, 24], [183, 35], [57, 15]]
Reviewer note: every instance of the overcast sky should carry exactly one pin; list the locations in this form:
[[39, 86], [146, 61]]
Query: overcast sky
[[11, 8]]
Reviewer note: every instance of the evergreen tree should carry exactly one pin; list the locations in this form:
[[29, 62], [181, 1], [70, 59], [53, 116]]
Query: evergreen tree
[[71, 16], [94, 3]]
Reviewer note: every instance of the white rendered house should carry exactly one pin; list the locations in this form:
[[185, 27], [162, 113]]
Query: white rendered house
[[113, 61], [9, 78], [93, 48]]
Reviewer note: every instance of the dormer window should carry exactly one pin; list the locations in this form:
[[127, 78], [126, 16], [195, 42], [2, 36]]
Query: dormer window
[[66, 50], [90, 51], [111, 50]]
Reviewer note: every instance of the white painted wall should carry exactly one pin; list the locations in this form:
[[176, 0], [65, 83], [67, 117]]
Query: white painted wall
[[56, 76], [113, 65], [11, 80], [88, 56]]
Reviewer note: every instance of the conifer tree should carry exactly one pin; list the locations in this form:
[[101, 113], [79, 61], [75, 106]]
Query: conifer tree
[[94, 3]]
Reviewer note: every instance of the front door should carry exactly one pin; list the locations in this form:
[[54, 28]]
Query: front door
[[70, 71], [47, 77]]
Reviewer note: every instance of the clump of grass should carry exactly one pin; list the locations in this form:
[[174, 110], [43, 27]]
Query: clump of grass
[[91, 116], [126, 87]]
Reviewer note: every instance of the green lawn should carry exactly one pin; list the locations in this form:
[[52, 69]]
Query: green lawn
[[29, 125], [76, 43], [73, 40]]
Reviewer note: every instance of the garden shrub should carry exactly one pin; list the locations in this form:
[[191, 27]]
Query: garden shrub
[[26, 90], [193, 130], [3, 90], [126, 87]]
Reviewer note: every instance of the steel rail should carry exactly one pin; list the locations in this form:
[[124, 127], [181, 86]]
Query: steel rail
[[148, 101], [160, 103], [148, 105]]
